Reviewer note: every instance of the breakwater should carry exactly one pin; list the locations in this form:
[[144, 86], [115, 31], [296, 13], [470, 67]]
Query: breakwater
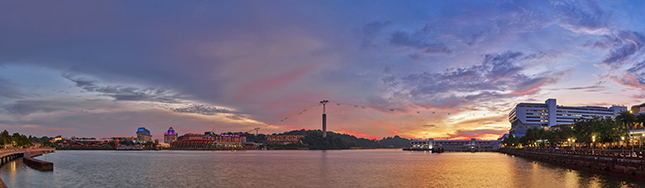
[[35, 163], [621, 165], [27, 154]]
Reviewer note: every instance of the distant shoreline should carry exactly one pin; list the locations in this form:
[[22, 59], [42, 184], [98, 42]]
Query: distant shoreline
[[195, 149]]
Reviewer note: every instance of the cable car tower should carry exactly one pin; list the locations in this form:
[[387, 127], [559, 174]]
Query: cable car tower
[[324, 119]]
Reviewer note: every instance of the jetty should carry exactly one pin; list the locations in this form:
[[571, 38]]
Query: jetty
[[27, 155], [615, 163]]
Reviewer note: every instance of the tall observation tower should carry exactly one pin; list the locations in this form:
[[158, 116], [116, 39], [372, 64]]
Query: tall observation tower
[[324, 129]]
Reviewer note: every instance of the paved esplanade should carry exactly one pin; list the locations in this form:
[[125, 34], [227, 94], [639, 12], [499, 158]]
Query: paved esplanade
[[9, 155]]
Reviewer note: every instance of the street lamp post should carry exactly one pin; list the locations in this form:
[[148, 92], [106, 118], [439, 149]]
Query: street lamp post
[[593, 142], [621, 145], [631, 140], [641, 145]]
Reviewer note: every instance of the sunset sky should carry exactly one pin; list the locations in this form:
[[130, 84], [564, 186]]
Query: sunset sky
[[417, 69]]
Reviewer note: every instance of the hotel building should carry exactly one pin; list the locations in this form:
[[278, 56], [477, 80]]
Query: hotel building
[[638, 109], [543, 115], [143, 135], [170, 136]]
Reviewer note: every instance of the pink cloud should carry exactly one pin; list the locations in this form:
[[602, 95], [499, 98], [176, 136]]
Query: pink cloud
[[266, 84], [359, 134]]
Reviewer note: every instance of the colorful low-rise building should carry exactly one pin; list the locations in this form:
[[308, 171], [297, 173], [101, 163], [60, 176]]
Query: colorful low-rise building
[[284, 139], [170, 136]]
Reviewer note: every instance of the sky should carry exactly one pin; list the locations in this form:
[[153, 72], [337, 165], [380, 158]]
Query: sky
[[417, 69]]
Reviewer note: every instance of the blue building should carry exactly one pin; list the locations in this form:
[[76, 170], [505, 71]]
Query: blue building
[[143, 135]]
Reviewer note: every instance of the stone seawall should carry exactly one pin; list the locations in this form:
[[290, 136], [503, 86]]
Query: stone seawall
[[35, 163], [623, 166], [7, 156]]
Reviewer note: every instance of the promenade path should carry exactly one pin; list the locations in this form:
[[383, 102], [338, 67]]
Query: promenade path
[[12, 154], [616, 162]]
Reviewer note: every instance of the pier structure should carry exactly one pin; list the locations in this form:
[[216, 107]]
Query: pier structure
[[472, 145], [615, 163], [7, 156]]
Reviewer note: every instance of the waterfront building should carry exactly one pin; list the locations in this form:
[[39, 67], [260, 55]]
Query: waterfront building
[[143, 135], [421, 144], [544, 115], [456, 145], [225, 139], [170, 136], [221, 139], [120, 139], [192, 144], [284, 139], [637, 109], [191, 136]]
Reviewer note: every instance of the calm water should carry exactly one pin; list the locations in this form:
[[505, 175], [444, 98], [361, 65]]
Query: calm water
[[346, 168]]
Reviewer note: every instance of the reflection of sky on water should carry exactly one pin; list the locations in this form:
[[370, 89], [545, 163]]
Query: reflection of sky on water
[[333, 168]]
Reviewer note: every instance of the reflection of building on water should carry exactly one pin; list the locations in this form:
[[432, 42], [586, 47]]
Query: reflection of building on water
[[455, 145]]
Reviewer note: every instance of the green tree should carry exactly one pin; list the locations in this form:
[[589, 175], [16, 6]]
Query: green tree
[[530, 136], [46, 144], [5, 138], [148, 144], [626, 118], [640, 120], [604, 130], [17, 140], [315, 140]]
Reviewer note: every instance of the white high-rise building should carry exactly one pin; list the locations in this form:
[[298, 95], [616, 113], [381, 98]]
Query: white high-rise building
[[537, 115]]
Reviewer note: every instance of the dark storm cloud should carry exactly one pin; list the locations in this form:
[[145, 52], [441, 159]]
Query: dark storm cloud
[[205, 110], [418, 42], [125, 93]]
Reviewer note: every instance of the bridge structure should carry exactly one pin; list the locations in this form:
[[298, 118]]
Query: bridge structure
[[27, 155]]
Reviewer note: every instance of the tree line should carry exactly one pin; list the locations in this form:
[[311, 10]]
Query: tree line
[[16, 140], [593, 130]]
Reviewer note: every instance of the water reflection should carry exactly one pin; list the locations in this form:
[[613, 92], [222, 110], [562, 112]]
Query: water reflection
[[344, 168]]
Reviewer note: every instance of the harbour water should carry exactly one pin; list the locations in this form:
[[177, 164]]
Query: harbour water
[[336, 168]]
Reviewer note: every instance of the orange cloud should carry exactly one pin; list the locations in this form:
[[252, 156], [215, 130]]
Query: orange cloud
[[359, 134]]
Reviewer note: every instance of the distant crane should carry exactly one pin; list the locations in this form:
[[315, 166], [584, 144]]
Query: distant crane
[[324, 118], [256, 130]]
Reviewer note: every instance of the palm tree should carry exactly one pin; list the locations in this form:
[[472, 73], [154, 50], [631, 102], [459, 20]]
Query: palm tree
[[626, 117], [640, 119]]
